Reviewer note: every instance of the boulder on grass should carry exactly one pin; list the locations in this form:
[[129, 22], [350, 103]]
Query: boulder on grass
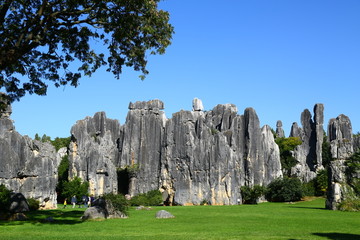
[[18, 203], [95, 212], [102, 209], [164, 214]]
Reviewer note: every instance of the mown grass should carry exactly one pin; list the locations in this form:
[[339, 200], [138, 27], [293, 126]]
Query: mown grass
[[301, 220]]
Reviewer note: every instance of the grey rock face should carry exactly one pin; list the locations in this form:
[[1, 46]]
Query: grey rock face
[[94, 153], [140, 145], [309, 153], [279, 130], [193, 156], [208, 156], [197, 105], [26, 166], [340, 137], [356, 143]]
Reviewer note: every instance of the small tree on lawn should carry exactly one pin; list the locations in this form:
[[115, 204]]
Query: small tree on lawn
[[75, 187]]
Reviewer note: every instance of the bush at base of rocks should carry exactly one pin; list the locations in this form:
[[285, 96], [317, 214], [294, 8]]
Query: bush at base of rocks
[[151, 198], [284, 190]]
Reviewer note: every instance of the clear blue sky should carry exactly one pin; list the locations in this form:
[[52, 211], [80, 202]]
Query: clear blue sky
[[277, 56]]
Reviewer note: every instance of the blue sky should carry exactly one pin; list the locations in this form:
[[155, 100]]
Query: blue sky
[[277, 56]]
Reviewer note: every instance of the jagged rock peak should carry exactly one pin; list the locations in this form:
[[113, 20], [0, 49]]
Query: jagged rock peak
[[340, 128], [197, 105], [149, 105], [279, 130]]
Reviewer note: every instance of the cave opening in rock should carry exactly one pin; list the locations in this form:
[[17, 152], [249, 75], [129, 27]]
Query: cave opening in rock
[[123, 177]]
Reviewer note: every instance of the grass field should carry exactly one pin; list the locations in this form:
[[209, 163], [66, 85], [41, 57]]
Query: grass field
[[301, 220]]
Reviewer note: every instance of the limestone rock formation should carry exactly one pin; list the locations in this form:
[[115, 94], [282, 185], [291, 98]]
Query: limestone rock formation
[[208, 156], [309, 153], [193, 156], [197, 105], [140, 145], [279, 130], [340, 137], [27, 166], [93, 153]]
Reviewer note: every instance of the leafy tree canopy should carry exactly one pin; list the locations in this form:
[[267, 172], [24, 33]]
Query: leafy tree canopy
[[286, 146], [40, 39]]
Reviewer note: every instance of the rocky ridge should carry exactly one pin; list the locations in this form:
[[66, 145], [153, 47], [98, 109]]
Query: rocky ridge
[[193, 157]]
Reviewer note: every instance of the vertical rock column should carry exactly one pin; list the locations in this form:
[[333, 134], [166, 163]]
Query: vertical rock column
[[27, 166], [94, 153], [309, 153], [340, 137], [141, 144]]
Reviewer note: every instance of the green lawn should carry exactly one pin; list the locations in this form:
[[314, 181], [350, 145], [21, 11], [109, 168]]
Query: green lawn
[[302, 220]]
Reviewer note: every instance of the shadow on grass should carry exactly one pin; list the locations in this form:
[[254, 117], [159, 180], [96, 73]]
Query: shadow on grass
[[338, 236], [57, 216], [305, 207]]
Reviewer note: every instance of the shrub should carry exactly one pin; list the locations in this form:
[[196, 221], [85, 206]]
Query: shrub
[[5, 195], [33, 204], [151, 198], [251, 195], [350, 205], [286, 146], [75, 187], [353, 172], [118, 201], [284, 190], [317, 186]]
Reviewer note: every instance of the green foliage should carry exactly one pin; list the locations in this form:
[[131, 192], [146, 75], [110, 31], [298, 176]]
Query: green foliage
[[214, 131], [321, 183], [317, 186], [151, 198], [308, 188], [118, 201], [63, 177], [326, 152], [353, 172], [251, 195], [284, 190], [61, 142], [75, 187], [33, 204], [286, 146], [57, 142], [350, 205], [55, 42], [5, 195]]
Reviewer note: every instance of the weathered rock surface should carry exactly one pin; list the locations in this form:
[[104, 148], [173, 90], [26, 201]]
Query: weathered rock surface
[[340, 137], [140, 145], [193, 156], [94, 152], [309, 153], [279, 130], [102, 209], [18, 203], [27, 166], [164, 214]]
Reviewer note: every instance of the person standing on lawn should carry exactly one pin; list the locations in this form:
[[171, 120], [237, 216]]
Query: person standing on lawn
[[73, 201]]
